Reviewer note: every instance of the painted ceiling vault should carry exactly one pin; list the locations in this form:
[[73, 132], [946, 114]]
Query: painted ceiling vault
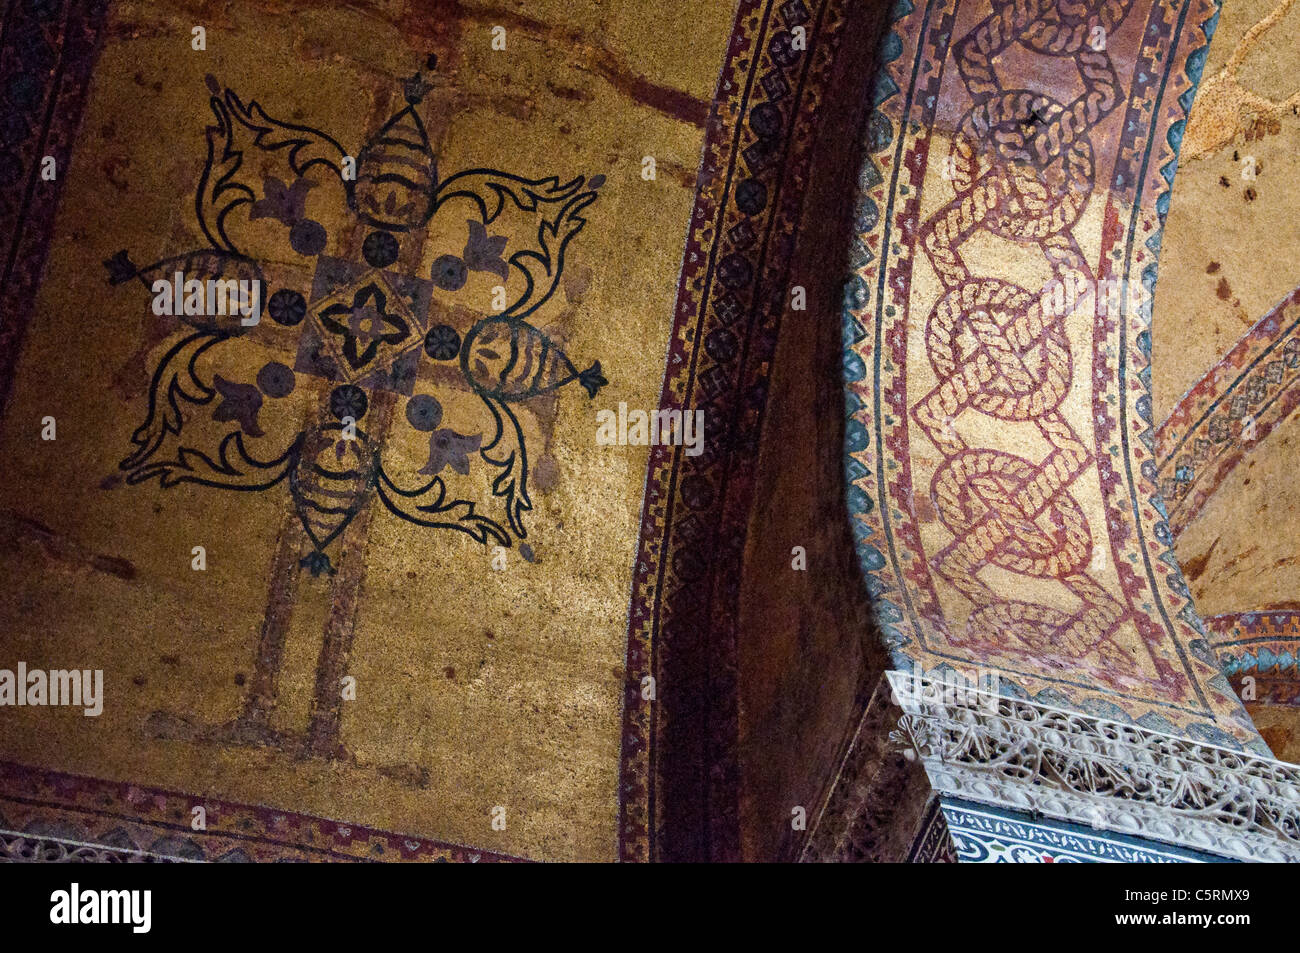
[[988, 311], [409, 612]]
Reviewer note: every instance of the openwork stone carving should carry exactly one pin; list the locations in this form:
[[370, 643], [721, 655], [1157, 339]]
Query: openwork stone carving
[[1077, 767], [27, 848]]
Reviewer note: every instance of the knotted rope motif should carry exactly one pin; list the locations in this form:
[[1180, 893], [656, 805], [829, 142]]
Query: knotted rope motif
[[1022, 166]]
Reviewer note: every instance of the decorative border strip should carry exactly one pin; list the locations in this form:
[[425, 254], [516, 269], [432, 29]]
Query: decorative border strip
[[19, 848], [53, 812], [47, 52], [1034, 759], [1229, 412], [984, 835], [1264, 646], [679, 775]]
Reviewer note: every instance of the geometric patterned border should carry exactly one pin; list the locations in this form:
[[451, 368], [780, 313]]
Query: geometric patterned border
[[1263, 646], [1229, 412], [19, 848]]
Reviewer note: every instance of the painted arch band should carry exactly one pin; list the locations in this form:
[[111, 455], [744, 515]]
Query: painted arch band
[[1004, 494]]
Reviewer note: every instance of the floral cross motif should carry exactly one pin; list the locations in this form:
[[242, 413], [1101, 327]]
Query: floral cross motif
[[364, 323], [373, 327]]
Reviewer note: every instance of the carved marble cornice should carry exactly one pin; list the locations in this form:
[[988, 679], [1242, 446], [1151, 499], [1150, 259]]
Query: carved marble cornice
[[1119, 777]]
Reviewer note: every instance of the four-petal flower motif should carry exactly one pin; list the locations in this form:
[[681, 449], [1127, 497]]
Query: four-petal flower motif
[[366, 320]]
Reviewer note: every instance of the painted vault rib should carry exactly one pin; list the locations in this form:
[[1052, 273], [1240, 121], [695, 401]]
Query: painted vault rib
[[1003, 484]]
